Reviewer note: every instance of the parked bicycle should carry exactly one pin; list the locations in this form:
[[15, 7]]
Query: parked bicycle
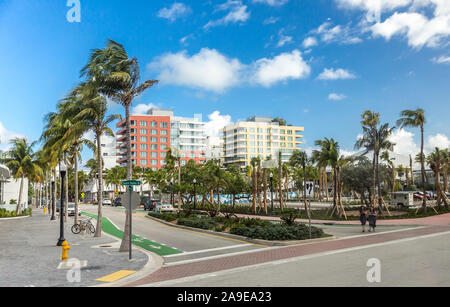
[[84, 225]]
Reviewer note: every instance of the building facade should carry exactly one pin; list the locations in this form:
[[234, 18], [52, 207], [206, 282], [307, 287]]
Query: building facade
[[152, 135], [259, 137]]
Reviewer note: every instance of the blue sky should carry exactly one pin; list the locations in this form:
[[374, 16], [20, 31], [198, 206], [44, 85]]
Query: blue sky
[[317, 63]]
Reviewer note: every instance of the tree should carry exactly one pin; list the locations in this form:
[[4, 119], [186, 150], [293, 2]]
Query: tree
[[416, 119], [434, 161], [117, 76], [21, 160], [93, 115], [328, 155], [369, 124], [300, 159]]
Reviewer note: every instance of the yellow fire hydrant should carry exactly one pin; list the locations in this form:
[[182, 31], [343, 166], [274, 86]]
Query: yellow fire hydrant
[[45, 210], [65, 248]]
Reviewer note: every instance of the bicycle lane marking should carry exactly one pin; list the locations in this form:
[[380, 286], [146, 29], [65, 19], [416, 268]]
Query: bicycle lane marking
[[157, 248]]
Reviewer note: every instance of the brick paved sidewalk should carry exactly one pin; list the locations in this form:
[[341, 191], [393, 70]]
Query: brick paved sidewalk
[[230, 262]]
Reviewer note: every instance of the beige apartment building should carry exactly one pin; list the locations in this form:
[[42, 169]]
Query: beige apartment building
[[259, 137]]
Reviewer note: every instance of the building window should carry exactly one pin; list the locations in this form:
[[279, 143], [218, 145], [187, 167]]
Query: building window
[[143, 146], [154, 132], [192, 155], [134, 153], [289, 132], [154, 140], [154, 155], [143, 124], [154, 124], [154, 162], [133, 123], [163, 154], [282, 131], [133, 146], [163, 162], [143, 139], [163, 147], [163, 125], [183, 163], [154, 147], [163, 132], [143, 154], [143, 162], [143, 131], [163, 140]]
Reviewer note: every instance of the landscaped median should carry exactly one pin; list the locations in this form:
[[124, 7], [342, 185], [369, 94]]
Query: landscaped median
[[12, 214], [251, 228], [157, 248]]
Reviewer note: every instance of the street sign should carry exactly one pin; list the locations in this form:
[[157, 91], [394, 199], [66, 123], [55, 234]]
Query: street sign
[[135, 200], [131, 182], [310, 189]]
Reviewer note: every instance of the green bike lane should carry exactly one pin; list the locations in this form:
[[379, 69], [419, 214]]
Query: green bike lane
[[155, 247]]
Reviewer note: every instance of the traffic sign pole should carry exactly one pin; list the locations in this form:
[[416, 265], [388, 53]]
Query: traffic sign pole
[[130, 188], [130, 184]]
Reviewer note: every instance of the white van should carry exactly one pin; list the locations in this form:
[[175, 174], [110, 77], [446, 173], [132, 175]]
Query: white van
[[402, 199]]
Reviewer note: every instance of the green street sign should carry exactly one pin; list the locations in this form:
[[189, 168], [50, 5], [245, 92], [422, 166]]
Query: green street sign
[[131, 182]]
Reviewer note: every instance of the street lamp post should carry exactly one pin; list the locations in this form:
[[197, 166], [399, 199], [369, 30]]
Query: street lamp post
[[53, 201], [271, 193], [61, 207], [195, 192], [171, 193]]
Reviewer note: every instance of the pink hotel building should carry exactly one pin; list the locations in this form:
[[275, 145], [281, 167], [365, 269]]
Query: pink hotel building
[[153, 134]]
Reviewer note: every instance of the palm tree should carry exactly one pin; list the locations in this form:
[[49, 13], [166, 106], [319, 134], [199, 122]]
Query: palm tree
[[390, 161], [416, 118], [93, 115], [21, 160], [328, 155], [434, 161], [300, 159], [255, 162], [369, 124]]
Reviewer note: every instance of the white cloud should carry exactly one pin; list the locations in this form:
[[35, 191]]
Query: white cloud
[[337, 34], [441, 60], [271, 20], [419, 30], [282, 67], [6, 136], [404, 142], [347, 153], [309, 42], [337, 97], [142, 109], [215, 123], [331, 74], [237, 13], [177, 10], [439, 140], [374, 8], [271, 2], [283, 39], [207, 69]]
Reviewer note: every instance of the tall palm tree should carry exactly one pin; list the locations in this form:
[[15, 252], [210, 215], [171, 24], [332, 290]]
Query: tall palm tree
[[435, 162], [300, 159], [93, 115], [328, 155], [416, 119], [369, 124], [117, 76], [21, 160], [255, 163]]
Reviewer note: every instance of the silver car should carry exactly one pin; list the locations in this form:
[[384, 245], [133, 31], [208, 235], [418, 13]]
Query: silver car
[[70, 208]]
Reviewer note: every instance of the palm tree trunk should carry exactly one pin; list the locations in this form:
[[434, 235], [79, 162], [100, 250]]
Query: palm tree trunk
[[98, 231], [422, 166], [280, 186], [254, 189], [124, 246], [265, 189], [19, 203], [325, 177], [76, 187]]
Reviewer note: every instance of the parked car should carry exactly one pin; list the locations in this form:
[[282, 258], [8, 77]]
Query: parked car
[[117, 202], [70, 208], [402, 199], [160, 207], [144, 200], [107, 201], [419, 196], [151, 204]]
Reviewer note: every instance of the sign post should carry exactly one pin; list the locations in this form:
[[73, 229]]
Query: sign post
[[130, 184], [309, 194]]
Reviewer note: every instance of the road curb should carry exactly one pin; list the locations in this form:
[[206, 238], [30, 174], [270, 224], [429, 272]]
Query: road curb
[[14, 218], [241, 238]]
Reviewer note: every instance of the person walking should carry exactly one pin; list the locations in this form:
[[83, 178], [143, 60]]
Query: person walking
[[372, 219], [363, 217]]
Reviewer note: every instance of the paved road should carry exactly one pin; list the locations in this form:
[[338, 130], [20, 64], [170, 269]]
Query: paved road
[[418, 262], [193, 244]]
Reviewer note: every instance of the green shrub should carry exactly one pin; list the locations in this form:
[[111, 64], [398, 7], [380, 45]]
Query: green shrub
[[13, 202], [198, 222], [278, 232], [168, 217], [289, 218]]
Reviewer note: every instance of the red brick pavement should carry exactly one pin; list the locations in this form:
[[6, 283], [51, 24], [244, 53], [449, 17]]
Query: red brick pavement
[[230, 262]]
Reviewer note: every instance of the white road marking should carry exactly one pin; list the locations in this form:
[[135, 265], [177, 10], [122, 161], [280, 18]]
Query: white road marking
[[207, 250], [277, 262]]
